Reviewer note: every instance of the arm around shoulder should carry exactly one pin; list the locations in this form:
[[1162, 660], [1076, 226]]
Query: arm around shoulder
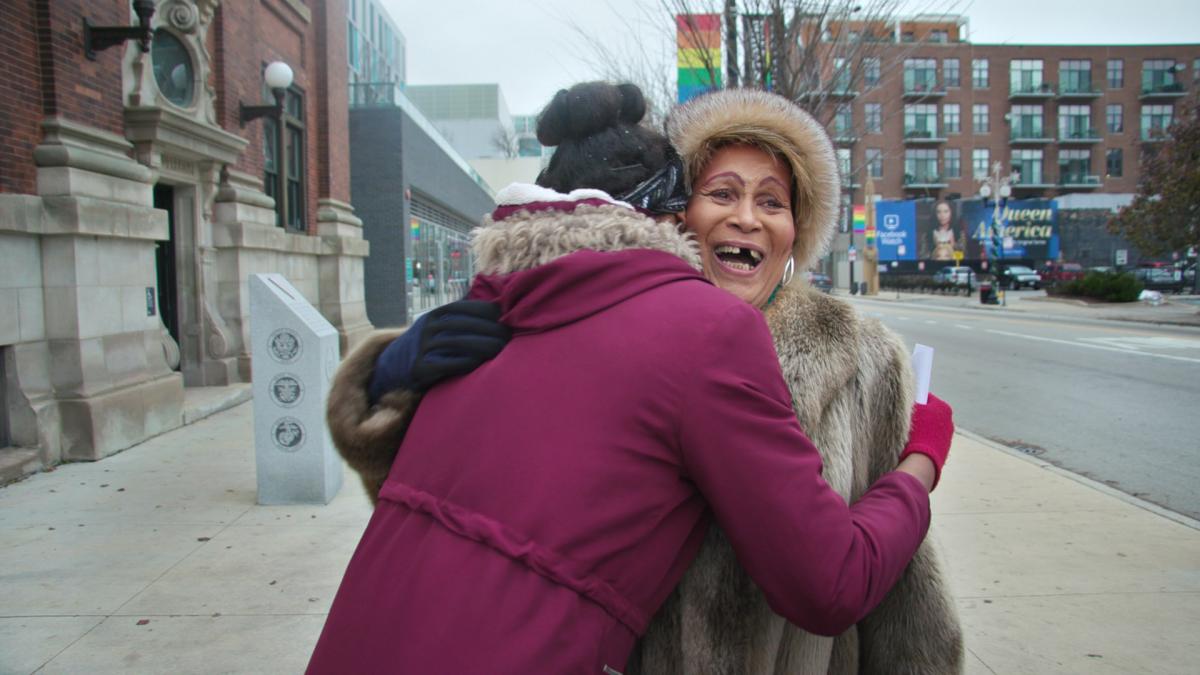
[[822, 564], [367, 436]]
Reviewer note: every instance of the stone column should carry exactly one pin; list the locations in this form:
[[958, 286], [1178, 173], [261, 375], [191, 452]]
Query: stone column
[[106, 359], [342, 290]]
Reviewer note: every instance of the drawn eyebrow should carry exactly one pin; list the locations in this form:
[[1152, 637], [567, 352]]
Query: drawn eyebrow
[[726, 174]]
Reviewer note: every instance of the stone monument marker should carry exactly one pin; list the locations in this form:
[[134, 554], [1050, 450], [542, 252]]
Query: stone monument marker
[[294, 355]]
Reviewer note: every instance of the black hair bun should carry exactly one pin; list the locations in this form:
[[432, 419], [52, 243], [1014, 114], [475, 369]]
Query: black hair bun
[[587, 109]]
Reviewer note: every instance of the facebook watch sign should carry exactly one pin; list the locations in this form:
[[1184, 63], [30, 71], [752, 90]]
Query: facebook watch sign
[[897, 226]]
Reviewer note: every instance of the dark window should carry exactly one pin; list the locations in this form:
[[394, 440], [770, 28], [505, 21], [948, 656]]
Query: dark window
[[950, 74], [1115, 163], [1116, 73], [284, 163], [952, 161], [1116, 118], [875, 162]]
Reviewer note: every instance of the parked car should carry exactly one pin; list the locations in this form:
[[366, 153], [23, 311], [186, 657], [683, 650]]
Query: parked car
[[819, 281], [1019, 276], [959, 276], [1056, 272], [1160, 279]]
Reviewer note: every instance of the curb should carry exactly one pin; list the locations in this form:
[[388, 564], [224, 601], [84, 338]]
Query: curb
[[1082, 480]]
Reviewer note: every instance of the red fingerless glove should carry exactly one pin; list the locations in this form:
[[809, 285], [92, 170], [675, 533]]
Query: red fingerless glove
[[931, 433]]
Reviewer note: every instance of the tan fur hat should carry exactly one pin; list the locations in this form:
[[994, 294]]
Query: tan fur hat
[[746, 116]]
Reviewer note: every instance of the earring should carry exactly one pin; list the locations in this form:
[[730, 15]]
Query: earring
[[789, 270]]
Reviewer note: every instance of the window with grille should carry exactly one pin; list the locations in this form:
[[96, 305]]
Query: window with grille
[[1156, 119], [980, 160], [1028, 163], [844, 166], [951, 118], [1025, 76], [950, 74], [1074, 166], [875, 162], [920, 120], [920, 75], [921, 165], [1027, 121], [1114, 161], [843, 122], [873, 113], [979, 73], [871, 71], [979, 118], [1074, 76], [952, 162], [284, 159], [1114, 115], [1075, 121], [1116, 73]]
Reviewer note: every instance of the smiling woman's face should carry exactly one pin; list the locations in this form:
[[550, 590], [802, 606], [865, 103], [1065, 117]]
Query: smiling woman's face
[[741, 214]]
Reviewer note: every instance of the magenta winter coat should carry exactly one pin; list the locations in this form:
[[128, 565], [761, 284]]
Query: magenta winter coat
[[541, 508]]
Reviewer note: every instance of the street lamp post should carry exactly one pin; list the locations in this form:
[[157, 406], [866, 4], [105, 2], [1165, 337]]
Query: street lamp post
[[1001, 187]]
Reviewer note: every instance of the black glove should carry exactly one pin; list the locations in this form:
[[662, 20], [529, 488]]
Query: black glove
[[451, 340]]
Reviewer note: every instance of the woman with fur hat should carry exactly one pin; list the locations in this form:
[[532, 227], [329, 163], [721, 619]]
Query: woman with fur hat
[[851, 387], [540, 510]]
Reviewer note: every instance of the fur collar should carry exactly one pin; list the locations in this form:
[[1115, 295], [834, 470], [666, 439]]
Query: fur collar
[[534, 227]]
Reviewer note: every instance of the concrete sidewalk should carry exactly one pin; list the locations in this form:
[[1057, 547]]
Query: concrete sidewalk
[[157, 560], [1176, 310]]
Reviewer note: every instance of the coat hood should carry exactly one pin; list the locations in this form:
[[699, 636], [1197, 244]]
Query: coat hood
[[550, 258], [746, 116]]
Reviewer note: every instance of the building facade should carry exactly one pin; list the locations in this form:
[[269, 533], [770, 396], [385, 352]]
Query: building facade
[[375, 49], [934, 113], [473, 117], [135, 201]]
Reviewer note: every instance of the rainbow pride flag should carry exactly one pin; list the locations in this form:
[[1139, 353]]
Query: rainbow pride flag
[[860, 218], [698, 40]]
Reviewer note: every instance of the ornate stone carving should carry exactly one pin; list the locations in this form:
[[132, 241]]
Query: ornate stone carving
[[182, 16]]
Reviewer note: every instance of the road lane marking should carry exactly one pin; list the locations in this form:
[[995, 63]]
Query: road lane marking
[[1157, 342], [930, 322], [902, 318], [1094, 346], [959, 325]]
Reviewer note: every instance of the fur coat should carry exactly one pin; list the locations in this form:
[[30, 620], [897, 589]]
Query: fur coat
[[851, 387]]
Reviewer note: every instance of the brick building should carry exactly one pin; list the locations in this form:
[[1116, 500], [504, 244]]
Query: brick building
[[933, 112], [134, 203]]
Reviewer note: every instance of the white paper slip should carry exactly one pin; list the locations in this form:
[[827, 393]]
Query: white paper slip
[[922, 361]]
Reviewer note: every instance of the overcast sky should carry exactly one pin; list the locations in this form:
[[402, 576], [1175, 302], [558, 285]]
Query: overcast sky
[[531, 49]]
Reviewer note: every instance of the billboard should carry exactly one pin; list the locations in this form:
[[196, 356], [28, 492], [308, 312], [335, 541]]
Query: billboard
[[698, 40], [930, 230]]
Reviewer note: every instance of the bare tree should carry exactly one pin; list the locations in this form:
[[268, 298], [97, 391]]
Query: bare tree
[[506, 141]]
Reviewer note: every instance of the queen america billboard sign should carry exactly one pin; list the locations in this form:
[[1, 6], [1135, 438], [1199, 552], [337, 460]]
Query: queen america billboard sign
[[935, 230]]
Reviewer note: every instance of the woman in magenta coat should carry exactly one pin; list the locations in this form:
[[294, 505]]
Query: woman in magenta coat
[[541, 509]]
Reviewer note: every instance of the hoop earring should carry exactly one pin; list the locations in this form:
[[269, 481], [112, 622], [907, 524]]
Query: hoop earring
[[789, 270]]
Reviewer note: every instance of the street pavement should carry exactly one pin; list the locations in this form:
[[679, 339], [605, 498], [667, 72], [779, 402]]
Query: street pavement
[[1111, 400], [158, 560]]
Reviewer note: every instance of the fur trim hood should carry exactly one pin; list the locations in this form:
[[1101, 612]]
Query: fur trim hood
[[532, 226], [746, 116]]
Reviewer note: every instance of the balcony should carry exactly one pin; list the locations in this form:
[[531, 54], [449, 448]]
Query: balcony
[[1078, 91], [1079, 181], [924, 181], [1041, 91], [1163, 91], [922, 137], [1038, 184], [922, 90], [1028, 134], [1078, 136], [1154, 135]]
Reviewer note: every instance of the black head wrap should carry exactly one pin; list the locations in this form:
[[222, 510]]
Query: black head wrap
[[666, 191]]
